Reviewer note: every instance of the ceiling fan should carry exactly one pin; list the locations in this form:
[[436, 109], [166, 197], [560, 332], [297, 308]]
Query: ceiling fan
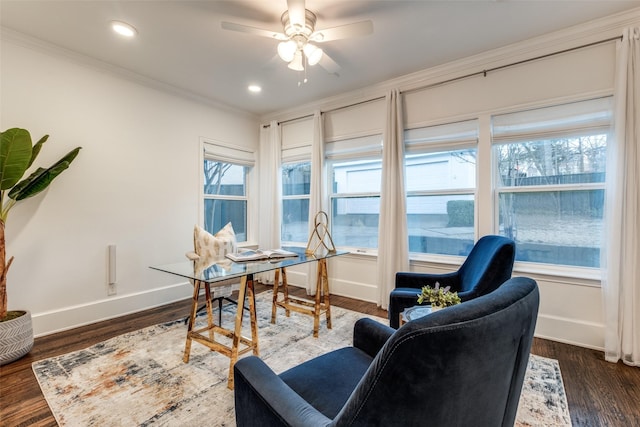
[[299, 37]]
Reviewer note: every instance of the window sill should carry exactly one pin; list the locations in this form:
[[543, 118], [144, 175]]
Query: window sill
[[574, 275], [581, 276]]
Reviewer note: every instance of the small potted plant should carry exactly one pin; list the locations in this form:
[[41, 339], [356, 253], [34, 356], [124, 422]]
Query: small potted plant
[[17, 155], [438, 297]]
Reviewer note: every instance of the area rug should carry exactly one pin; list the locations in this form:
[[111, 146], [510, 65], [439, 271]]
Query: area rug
[[139, 379]]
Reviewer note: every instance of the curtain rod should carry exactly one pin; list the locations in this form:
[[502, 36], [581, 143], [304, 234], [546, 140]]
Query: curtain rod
[[327, 111], [466, 76], [290, 120], [512, 64]]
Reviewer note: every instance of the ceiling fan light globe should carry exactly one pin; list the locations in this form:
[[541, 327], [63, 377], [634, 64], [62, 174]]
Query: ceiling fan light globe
[[296, 64], [313, 54], [287, 50]]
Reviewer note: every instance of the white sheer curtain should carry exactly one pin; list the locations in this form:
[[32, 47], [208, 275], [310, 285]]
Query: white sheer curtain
[[270, 191], [393, 242], [621, 254], [317, 195]]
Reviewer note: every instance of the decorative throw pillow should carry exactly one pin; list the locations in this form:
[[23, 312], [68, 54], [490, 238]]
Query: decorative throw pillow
[[213, 247]]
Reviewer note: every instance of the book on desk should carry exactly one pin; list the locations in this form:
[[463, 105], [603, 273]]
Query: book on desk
[[260, 255]]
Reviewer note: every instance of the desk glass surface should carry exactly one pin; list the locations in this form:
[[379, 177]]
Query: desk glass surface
[[226, 269]]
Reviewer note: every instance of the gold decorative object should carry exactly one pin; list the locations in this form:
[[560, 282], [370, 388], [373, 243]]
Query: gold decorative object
[[320, 235]]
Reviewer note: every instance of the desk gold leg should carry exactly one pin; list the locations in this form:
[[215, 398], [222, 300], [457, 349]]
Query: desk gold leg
[[237, 330], [276, 291], [253, 317], [192, 319], [312, 306], [207, 293], [285, 289], [325, 290], [197, 333], [274, 305], [316, 307]]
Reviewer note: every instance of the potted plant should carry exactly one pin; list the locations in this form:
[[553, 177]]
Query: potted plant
[[438, 297], [17, 155]]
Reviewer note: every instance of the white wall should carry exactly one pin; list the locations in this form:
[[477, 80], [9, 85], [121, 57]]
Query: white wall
[[134, 184]]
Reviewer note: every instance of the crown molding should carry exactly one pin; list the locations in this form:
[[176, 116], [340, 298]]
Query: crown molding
[[51, 49], [571, 37]]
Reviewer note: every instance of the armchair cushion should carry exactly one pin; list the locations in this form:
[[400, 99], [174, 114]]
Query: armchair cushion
[[309, 379]]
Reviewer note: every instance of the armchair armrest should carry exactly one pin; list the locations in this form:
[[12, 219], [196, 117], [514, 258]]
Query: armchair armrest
[[369, 335], [418, 280], [262, 398]]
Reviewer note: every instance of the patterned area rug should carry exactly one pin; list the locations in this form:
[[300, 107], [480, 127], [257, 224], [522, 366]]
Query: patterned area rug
[[139, 378]]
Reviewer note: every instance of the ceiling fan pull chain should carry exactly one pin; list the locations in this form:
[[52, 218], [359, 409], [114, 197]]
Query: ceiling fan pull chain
[[305, 68]]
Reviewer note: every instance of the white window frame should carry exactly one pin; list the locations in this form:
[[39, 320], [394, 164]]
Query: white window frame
[[358, 148], [586, 122], [441, 138], [226, 153], [294, 197]]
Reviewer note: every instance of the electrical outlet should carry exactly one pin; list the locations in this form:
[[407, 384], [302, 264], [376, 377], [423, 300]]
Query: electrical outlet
[[111, 289]]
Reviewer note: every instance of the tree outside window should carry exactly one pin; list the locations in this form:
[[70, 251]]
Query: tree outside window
[[549, 166], [551, 198], [225, 197]]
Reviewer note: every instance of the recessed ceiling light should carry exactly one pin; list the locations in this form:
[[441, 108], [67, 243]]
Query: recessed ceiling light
[[254, 89], [123, 29]]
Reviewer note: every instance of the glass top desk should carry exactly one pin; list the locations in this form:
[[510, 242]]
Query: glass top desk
[[219, 273]]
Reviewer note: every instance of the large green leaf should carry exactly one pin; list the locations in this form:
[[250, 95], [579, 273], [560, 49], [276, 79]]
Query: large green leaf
[[41, 178], [37, 148], [15, 156]]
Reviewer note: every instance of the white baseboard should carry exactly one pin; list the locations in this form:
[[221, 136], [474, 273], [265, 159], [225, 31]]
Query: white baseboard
[[553, 328], [344, 288], [569, 331], [72, 317], [355, 290]]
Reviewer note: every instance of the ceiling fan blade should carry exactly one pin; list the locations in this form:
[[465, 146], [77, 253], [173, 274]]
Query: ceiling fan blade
[[296, 12], [361, 28], [329, 64], [253, 30]]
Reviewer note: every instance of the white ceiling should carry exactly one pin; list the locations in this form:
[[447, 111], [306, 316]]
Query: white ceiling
[[181, 43]]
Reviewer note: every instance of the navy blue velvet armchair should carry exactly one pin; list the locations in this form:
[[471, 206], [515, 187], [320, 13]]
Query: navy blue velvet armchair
[[488, 265], [461, 366]]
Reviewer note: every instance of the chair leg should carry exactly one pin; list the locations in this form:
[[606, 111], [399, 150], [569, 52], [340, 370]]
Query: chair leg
[[220, 299]]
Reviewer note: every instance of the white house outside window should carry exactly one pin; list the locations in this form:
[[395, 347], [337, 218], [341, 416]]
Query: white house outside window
[[295, 202], [549, 179], [440, 180], [225, 189], [354, 190]]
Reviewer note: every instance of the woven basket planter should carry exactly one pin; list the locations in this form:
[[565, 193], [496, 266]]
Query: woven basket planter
[[16, 338]]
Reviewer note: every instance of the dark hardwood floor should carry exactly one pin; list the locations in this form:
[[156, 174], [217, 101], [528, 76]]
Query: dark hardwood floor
[[599, 393]]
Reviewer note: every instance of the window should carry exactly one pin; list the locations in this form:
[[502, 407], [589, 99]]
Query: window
[[355, 167], [225, 190], [549, 174], [296, 179], [440, 177]]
